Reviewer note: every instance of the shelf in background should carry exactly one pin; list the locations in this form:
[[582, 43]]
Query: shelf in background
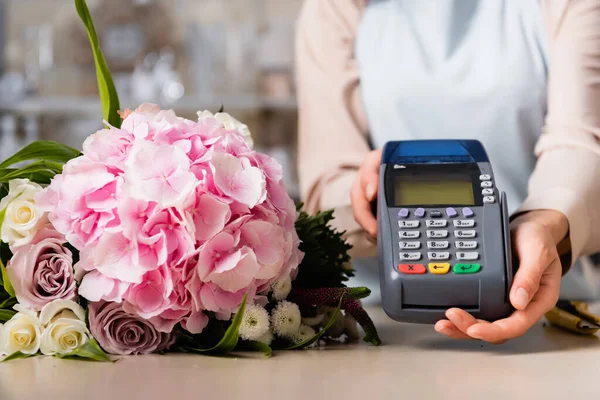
[[84, 106]]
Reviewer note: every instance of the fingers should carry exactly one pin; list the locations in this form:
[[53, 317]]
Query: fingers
[[364, 191], [521, 321], [535, 290], [447, 328]]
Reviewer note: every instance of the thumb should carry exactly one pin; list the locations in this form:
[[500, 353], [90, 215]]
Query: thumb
[[533, 260], [371, 187], [369, 177]]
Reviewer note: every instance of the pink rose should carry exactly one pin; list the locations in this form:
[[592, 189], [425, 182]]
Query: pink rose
[[42, 271], [119, 332]]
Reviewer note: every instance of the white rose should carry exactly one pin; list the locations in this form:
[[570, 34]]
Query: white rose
[[22, 217], [229, 123], [65, 327], [21, 333]]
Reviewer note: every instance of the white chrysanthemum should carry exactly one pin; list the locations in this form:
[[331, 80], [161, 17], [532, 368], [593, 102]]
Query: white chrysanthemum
[[255, 323], [285, 319], [267, 338], [282, 288], [303, 333]]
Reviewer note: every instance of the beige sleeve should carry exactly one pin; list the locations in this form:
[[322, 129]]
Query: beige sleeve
[[567, 174], [332, 128]]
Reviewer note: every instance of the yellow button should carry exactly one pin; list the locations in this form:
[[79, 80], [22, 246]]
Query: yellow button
[[439, 268]]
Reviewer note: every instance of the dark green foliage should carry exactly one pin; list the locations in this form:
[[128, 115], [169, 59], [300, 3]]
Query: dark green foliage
[[325, 263]]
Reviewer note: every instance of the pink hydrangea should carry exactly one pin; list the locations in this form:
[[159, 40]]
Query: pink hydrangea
[[174, 218]]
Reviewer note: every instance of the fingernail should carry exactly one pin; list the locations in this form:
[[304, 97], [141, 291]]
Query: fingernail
[[370, 191], [442, 329], [455, 316], [521, 298]]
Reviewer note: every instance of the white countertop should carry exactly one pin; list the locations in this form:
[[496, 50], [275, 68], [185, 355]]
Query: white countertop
[[414, 363]]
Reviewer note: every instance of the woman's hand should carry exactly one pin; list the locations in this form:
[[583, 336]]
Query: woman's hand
[[536, 285], [364, 191]]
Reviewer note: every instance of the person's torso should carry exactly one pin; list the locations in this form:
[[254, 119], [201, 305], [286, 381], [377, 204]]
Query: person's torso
[[472, 69]]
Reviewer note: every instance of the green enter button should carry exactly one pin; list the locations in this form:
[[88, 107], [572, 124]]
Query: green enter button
[[466, 268]]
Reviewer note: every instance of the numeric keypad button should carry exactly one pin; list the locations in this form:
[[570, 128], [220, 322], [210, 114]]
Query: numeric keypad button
[[439, 255], [465, 234], [437, 234], [465, 244], [464, 223], [437, 223], [410, 245], [467, 256], [409, 234], [410, 256], [408, 224], [437, 244]]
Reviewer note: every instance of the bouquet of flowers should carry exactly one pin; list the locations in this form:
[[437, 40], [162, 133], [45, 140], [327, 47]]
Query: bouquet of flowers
[[164, 234]]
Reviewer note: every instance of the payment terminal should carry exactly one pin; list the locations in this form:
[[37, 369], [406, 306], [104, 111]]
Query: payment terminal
[[443, 238]]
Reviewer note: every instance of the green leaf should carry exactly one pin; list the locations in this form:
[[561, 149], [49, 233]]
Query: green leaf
[[88, 351], [39, 171], [231, 336], [106, 87], [5, 281], [8, 304], [6, 315], [16, 356], [42, 150], [256, 346], [42, 176], [318, 335]]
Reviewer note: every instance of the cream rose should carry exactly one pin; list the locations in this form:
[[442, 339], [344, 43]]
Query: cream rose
[[230, 123], [22, 333], [22, 217], [65, 328]]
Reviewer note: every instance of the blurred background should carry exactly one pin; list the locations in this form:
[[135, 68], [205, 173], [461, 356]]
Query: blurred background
[[187, 55]]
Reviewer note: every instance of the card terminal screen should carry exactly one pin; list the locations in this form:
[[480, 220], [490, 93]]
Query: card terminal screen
[[433, 189]]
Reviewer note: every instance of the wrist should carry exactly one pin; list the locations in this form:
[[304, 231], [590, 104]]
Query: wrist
[[554, 222]]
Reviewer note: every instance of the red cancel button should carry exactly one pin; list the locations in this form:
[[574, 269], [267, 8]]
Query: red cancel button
[[412, 268]]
